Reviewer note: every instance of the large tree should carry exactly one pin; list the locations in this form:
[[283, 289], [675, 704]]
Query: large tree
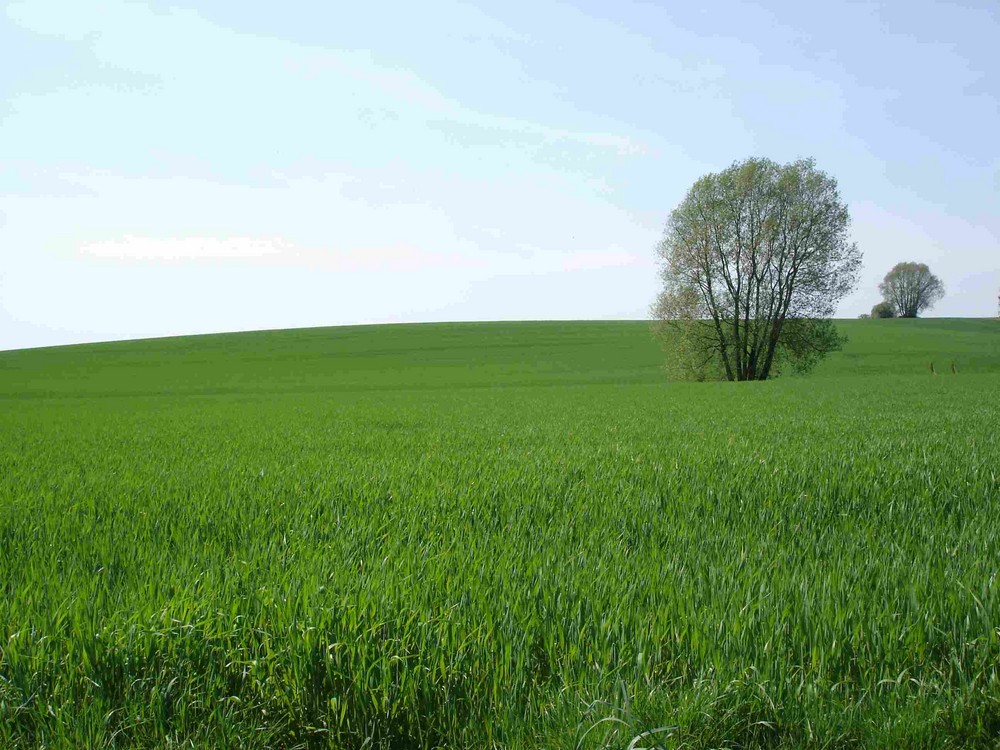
[[754, 261], [911, 288]]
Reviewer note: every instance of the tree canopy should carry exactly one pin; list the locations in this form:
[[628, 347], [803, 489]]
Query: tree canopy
[[911, 288], [754, 261]]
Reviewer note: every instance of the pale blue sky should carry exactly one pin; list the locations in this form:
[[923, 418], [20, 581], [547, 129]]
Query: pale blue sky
[[184, 168]]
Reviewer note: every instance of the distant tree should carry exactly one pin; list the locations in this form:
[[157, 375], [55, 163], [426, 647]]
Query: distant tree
[[754, 261], [864, 316], [911, 288], [883, 310]]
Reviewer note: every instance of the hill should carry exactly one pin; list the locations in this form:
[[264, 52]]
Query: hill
[[448, 356]]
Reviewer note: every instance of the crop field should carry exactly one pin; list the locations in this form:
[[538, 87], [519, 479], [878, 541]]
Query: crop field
[[511, 535]]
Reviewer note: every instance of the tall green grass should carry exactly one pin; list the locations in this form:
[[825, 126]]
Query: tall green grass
[[498, 535]]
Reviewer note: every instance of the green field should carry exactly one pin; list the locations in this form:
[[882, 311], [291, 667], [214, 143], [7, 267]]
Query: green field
[[499, 535]]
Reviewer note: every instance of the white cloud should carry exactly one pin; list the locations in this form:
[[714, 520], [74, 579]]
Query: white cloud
[[272, 251], [131, 248]]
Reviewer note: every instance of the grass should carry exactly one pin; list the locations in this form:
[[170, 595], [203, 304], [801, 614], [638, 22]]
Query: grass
[[498, 535]]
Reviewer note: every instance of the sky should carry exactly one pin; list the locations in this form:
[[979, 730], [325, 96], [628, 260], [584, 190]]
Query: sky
[[170, 169]]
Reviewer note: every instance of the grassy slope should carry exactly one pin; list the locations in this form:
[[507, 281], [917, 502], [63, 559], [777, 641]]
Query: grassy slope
[[293, 538], [902, 347], [448, 356]]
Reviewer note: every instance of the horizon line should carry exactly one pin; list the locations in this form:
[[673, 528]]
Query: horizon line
[[250, 331]]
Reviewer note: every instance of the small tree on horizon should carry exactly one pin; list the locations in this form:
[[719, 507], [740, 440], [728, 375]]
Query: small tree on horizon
[[911, 288], [883, 310]]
